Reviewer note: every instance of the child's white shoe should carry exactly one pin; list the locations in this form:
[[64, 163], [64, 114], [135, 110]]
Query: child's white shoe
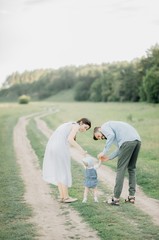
[[84, 200], [96, 199]]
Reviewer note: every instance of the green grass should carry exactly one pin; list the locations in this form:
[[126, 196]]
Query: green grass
[[117, 223], [110, 221], [38, 140], [62, 96], [14, 213], [124, 222]]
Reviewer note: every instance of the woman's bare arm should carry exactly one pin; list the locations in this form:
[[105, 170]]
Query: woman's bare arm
[[71, 139]]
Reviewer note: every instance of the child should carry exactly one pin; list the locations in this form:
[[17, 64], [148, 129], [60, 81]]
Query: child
[[90, 177]]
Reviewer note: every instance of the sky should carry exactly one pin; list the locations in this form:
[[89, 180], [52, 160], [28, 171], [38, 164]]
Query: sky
[[37, 34]]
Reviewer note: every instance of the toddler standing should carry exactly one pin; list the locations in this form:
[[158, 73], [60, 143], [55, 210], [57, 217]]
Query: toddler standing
[[90, 177]]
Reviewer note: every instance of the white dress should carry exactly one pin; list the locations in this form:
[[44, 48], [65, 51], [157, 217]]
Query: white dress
[[57, 159]]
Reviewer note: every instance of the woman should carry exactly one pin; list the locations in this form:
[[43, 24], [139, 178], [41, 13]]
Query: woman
[[57, 159]]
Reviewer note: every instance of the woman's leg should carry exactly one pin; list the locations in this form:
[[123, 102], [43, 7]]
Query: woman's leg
[[60, 191], [63, 191]]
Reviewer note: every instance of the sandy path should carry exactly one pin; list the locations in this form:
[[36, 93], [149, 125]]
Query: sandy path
[[54, 221], [148, 205]]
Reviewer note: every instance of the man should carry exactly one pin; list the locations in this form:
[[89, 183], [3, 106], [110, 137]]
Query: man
[[127, 142]]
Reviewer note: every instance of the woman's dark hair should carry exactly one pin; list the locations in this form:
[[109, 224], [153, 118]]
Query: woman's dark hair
[[85, 121]]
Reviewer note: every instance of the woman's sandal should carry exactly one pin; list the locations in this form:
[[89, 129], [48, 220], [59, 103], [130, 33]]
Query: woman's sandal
[[130, 200], [69, 200], [60, 199], [115, 202]]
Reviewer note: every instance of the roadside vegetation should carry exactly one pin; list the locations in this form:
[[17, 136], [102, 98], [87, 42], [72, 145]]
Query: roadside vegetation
[[124, 81], [14, 212]]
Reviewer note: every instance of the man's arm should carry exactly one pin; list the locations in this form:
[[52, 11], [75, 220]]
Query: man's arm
[[109, 134]]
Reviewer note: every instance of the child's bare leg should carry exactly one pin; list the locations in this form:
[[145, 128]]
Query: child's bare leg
[[95, 194], [86, 190]]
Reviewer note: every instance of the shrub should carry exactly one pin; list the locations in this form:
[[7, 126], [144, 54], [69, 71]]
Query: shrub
[[24, 99]]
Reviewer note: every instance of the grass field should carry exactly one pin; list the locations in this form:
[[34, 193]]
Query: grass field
[[14, 212]]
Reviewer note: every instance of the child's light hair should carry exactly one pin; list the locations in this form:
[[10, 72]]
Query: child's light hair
[[88, 161]]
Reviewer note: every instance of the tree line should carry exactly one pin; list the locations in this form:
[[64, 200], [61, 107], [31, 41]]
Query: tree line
[[133, 81]]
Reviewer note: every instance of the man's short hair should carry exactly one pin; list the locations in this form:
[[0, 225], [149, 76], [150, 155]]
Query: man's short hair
[[96, 129]]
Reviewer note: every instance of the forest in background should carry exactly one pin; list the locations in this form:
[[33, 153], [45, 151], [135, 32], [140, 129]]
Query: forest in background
[[133, 81]]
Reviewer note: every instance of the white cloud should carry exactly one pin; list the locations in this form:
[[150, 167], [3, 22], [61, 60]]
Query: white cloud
[[52, 33]]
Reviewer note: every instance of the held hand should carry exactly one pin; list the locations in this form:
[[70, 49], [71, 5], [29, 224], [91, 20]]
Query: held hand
[[85, 153], [102, 157]]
